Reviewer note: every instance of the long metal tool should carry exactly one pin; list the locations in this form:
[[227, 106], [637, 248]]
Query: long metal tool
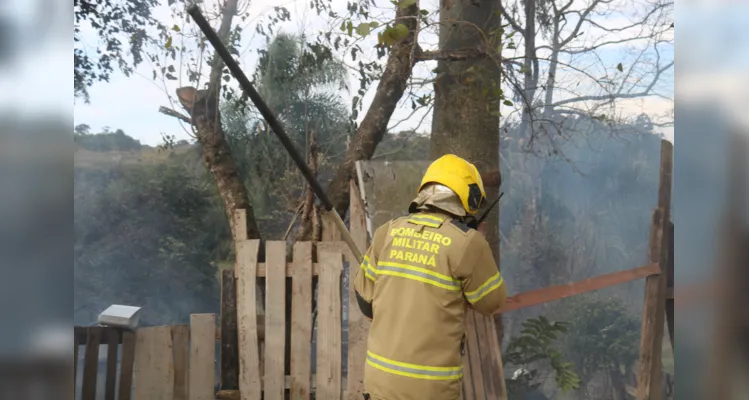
[[247, 87]]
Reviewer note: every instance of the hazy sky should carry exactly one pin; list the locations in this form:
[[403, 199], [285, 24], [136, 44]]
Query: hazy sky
[[131, 104]]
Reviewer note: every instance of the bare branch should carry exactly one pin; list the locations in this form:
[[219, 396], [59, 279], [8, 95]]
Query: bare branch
[[509, 18], [611, 97], [176, 114]]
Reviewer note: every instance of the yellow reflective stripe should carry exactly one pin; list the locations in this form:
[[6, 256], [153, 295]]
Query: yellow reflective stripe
[[369, 271], [413, 370], [417, 274], [427, 220], [487, 287]]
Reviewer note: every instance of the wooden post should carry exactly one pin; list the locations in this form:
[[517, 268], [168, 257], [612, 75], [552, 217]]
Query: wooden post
[[358, 324], [725, 364], [649, 377], [670, 284], [229, 334]]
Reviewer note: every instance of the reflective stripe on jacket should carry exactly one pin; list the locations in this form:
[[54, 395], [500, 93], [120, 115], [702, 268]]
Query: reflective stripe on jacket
[[419, 275]]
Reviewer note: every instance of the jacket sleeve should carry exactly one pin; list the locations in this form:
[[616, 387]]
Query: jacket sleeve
[[366, 274], [483, 286]]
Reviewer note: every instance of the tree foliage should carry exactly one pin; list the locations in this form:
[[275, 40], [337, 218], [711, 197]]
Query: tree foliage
[[147, 235], [120, 34]]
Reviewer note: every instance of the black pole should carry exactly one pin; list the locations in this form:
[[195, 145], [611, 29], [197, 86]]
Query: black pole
[[212, 37]]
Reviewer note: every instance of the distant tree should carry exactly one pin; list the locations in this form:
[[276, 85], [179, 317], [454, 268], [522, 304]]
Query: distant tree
[[82, 129], [105, 141], [147, 235]]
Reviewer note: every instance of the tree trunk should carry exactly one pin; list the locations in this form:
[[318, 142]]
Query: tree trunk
[[392, 85], [203, 108], [466, 116]]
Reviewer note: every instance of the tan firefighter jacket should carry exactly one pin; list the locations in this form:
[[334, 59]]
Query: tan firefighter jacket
[[418, 277]]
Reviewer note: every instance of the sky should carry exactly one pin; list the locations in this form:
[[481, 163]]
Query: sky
[[132, 103]]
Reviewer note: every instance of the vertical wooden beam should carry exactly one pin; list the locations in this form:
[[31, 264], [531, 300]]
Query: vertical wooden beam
[[497, 368], [113, 343], [329, 326], [485, 355], [249, 363], [670, 284], [301, 322], [202, 373], [649, 377], [275, 320], [229, 333], [358, 324], [474, 356], [467, 391], [181, 345], [728, 348], [126, 368], [91, 363], [154, 367]]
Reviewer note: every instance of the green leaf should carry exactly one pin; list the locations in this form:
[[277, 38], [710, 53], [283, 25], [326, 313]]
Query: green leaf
[[620, 67], [424, 12], [343, 26], [168, 43], [175, 28], [363, 29], [349, 27], [508, 103], [406, 3], [401, 31]]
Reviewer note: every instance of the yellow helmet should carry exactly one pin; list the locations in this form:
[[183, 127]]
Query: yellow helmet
[[461, 177]]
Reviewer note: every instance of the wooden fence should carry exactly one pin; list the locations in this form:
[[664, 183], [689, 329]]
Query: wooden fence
[[262, 357], [163, 362]]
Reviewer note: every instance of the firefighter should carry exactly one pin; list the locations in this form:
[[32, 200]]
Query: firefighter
[[417, 280]]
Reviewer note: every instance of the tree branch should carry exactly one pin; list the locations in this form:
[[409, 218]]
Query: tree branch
[[172, 113], [390, 89], [611, 97]]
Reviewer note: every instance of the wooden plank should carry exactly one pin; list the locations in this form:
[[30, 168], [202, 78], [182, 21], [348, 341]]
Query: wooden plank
[[494, 349], [275, 320], [75, 360], [485, 355], [239, 225], [329, 326], [473, 350], [126, 367], [180, 345], [358, 324], [330, 231], [154, 367], [301, 322], [670, 284], [467, 392], [229, 333], [91, 363], [249, 363], [649, 376], [553, 293], [113, 340], [202, 374]]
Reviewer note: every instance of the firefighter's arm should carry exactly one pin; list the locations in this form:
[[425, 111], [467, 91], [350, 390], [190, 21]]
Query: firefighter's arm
[[483, 286], [366, 275]]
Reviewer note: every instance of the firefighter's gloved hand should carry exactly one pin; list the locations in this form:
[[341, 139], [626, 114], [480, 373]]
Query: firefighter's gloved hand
[[472, 222]]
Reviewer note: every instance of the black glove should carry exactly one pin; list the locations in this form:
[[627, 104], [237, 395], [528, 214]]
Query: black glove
[[472, 222]]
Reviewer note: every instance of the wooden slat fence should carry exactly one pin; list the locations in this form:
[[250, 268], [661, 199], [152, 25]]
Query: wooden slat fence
[[164, 362]]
